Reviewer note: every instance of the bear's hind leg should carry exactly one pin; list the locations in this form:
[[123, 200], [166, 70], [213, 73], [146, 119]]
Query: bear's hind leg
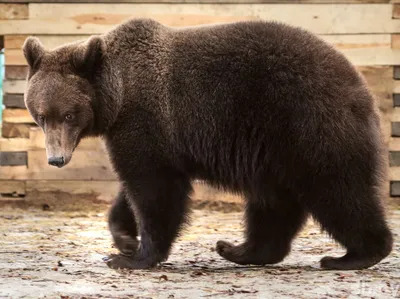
[[273, 218], [159, 199], [122, 225], [352, 215]]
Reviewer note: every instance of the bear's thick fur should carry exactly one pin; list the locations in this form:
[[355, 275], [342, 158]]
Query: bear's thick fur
[[258, 108]]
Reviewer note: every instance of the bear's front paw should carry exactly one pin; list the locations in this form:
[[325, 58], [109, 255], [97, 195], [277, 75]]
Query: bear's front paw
[[120, 261], [125, 243], [224, 248]]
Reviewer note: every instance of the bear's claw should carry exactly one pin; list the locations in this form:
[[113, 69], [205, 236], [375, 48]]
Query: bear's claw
[[120, 261]]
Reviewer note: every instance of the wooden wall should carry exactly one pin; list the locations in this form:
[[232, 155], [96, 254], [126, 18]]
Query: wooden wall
[[366, 31]]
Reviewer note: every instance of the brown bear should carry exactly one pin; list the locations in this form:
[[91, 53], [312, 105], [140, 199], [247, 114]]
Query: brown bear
[[259, 108]]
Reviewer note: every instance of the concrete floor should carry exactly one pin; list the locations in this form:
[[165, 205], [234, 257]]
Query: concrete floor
[[56, 254]]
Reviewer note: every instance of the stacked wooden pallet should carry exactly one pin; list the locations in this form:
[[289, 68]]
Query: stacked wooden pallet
[[366, 31]]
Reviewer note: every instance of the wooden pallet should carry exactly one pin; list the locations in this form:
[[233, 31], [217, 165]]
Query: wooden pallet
[[366, 31]]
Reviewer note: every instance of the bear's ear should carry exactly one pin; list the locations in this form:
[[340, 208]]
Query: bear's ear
[[33, 50], [89, 55]]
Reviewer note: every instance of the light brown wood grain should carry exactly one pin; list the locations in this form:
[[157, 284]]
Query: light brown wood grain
[[10, 11], [12, 187], [211, 1], [48, 41], [13, 72], [99, 18], [14, 86], [85, 165], [17, 116], [15, 130]]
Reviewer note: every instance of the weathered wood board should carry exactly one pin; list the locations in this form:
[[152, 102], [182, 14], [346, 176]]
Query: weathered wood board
[[208, 1], [14, 101], [10, 11], [16, 72], [17, 116], [15, 130], [9, 187], [85, 165], [13, 158], [36, 141], [99, 18], [361, 50]]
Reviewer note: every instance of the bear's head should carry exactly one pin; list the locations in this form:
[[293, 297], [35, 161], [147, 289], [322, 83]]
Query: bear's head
[[60, 93]]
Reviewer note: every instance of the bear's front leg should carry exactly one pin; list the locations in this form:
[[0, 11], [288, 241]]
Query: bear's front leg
[[122, 225], [159, 199]]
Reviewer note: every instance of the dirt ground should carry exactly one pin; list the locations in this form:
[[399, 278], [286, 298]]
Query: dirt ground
[[58, 254]]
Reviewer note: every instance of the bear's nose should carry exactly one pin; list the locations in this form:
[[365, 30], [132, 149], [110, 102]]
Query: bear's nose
[[56, 161]]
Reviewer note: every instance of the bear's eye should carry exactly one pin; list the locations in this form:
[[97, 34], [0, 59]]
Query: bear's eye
[[68, 117], [41, 118]]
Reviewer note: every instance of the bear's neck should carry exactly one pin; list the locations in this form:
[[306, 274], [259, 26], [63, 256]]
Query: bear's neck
[[107, 101]]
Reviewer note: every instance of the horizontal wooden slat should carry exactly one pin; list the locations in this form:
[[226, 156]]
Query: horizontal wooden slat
[[396, 86], [15, 130], [396, 11], [48, 41], [14, 101], [36, 141], [16, 72], [13, 158], [14, 86], [12, 187], [85, 165], [395, 189], [13, 11], [358, 56], [98, 18], [206, 1], [362, 50], [396, 131], [17, 116], [396, 100], [103, 189], [14, 57], [396, 72]]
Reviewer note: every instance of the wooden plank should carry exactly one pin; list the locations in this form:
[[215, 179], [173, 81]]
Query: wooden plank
[[396, 86], [12, 187], [36, 141], [14, 86], [17, 116], [381, 83], [394, 174], [48, 41], [395, 41], [207, 1], [14, 57], [13, 158], [13, 11], [396, 11], [366, 50], [14, 41], [104, 190], [15, 130], [396, 130], [85, 165], [396, 72], [349, 41], [15, 144], [396, 100], [16, 72], [96, 18], [14, 101], [395, 189]]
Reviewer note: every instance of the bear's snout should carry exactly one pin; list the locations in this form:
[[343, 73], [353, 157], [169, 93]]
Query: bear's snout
[[56, 161]]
